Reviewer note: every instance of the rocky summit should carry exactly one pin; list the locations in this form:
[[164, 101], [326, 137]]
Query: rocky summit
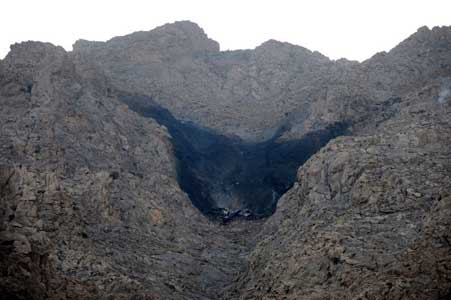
[[155, 166]]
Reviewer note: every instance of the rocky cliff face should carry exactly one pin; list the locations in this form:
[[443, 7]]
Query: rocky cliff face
[[103, 148], [368, 218], [277, 92], [90, 203]]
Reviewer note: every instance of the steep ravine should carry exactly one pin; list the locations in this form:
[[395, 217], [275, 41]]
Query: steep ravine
[[226, 177]]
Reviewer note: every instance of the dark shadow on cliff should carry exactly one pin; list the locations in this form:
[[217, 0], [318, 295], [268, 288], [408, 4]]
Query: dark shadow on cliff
[[223, 175]]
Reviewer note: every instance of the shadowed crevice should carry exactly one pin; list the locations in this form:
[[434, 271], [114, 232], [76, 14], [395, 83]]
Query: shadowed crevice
[[226, 177]]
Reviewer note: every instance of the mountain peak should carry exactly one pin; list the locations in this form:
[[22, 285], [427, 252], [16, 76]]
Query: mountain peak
[[178, 38], [425, 40], [183, 25]]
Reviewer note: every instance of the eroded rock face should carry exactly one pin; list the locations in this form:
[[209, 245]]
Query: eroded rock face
[[277, 92], [90, 204], [92, 182], [368, 217], [239, 93]]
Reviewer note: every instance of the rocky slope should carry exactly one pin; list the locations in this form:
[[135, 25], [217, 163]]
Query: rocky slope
[[90, 205], [368, 218], [277, 92], [98, 147]]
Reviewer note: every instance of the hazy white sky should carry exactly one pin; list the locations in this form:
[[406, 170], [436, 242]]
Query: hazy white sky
[[355, 29]]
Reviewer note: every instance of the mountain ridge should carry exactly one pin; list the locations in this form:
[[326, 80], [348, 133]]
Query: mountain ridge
[[108, 152]]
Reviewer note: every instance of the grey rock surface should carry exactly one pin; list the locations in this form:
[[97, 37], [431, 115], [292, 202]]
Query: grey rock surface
[[368, 218], [91, 204]]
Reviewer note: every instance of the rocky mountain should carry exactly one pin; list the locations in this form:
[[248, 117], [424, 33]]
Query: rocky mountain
[[368, 218], [89, 196], [150, 166]]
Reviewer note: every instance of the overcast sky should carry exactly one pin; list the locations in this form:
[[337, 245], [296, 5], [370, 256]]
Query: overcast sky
[[355, 29]]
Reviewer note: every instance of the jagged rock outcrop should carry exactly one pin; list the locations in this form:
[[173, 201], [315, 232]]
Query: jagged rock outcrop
[[369, 217], [277, 92], [97, 144], [241, 93], [90, 205]]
